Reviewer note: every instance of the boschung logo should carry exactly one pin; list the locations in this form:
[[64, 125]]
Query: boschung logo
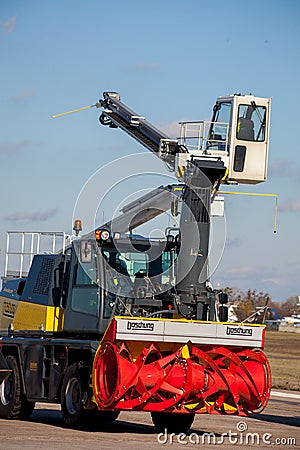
[[239, 331], [145, 326]]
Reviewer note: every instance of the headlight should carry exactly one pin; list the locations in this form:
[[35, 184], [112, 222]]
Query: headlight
[[105, 235], [102, 235]]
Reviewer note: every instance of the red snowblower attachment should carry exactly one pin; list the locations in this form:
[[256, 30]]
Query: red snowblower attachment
[[162, 365]]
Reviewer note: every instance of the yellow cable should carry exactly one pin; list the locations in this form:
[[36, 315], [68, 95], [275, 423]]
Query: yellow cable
[[73, 111], [253, 194]]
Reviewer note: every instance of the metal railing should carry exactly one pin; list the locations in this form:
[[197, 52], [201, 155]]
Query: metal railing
[[21, 246], [204, 136]]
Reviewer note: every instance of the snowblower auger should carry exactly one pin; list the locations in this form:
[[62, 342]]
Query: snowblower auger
[[191, 377]]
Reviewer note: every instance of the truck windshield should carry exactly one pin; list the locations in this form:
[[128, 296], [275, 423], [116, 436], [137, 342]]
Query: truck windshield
[[127, 269]]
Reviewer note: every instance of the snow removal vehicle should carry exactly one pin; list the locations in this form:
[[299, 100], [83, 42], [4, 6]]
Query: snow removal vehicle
[[112, 321]]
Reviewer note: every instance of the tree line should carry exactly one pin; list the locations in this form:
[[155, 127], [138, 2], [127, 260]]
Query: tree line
[[248, 302]]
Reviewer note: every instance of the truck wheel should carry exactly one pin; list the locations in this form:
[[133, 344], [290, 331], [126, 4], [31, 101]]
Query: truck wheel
[[173, 422], [72, 392], [10, 391], [26, 409]]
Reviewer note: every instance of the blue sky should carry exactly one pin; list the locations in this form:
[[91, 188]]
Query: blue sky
[[169, 60]]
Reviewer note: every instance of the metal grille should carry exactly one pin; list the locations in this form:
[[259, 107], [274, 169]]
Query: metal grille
[[42, 283]]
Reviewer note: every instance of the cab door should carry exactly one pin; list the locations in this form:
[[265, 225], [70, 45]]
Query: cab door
[[249, 140], [84, 297]]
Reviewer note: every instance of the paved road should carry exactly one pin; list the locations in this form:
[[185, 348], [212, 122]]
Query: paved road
[[277, 427]]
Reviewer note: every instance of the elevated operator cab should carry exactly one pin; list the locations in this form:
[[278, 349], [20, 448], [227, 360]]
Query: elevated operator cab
[[238, 134]]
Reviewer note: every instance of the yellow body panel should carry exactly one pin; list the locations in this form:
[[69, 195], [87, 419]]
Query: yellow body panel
[[8, 308], [30, 316]]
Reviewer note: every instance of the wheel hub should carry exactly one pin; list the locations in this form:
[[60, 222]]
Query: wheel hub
[[73, 395]]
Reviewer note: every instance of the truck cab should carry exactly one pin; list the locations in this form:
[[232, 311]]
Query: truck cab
[[77, 290], [123, 274]]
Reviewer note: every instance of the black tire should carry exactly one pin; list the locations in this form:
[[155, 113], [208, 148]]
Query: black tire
[[26, 409], [73, 390], [172, 422], [10, 391]]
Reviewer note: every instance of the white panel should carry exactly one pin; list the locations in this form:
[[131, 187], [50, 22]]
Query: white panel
[[210, 333], [213, 333], [138, 329], [139, 337], [234, 332], [217, 207], [190, 330]]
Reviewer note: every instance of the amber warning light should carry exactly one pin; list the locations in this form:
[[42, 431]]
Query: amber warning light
[[77, 227]]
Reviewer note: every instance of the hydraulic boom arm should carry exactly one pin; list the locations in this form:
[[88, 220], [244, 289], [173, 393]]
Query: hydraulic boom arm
[[117, 114], [143, 209]]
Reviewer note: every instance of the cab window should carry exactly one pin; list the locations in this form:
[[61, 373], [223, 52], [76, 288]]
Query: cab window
[[219, 128], [251, 123], [85, 292]]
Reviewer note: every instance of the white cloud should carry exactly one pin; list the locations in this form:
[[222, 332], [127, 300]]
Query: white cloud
[[240, 270], [233, 243], [9, 25], [278, 281], [36, 216], [284, 168], [172, 129], [292, 205], [14, 147], [22, 96], [280, 167]]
